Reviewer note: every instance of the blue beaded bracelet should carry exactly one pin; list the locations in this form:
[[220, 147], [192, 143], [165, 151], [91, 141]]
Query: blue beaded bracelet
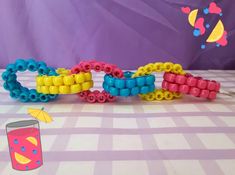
[[17, 91], [128, 86]]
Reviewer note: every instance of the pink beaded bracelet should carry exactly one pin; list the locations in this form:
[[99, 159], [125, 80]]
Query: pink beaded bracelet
[[188, 84], [97, 96]]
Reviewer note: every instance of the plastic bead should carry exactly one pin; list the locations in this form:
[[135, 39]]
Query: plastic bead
[[96, 92], [191, 81], [110, 81], [142, 96], [173, 87], [128, 74], [119, 83], [180, 79], [184, 89], [106, 87], [111, 98], [88, 76], [87, 85], [177, 68], [124, 92], [97, 67], [150, 80], [41, 63], [52, 96], [43, 70], [68, 80], [204, 93], [12, 77], [217, 88], [43, 97], [91, 98], [38, 89], [11, 68], [62, 71], [75, 88], [194, 91], [108, 69], [135, 91], [212, 95], [140, 81], [86, 66], [159, 95], [170, 77], [11, 85], [168, 95], [141, 69], [57, 80], [32, 65], [24, 89], [118, 73], [202, 84], [83, 95], [76, 69], [47, 81], [21, 66], [165, 84], [138, 74], [54, 90], [130, 83], [113, 91], [45, 90], [15, 93], [177, 94], [23, 97], [64, 90], [148, 69], [158, 67], [5, 75], [101, 98], [144, 90], [33, 95], [168, 66], [150, 96], [79, 78], [211, 85], [151, 88]]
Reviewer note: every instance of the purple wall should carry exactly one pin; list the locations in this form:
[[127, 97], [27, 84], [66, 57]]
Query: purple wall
[[128, 33]]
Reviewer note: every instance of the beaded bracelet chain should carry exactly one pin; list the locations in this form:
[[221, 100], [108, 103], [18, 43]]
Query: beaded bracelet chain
[[78, 80]]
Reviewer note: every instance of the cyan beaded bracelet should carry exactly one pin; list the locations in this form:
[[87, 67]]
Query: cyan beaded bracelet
[[128, 86], [17, 91]]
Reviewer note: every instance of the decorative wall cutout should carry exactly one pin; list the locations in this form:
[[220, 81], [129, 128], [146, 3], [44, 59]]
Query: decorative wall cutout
[[218, 34]]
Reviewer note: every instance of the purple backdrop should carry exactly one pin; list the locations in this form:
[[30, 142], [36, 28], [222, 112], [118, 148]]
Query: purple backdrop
[[128, 33]]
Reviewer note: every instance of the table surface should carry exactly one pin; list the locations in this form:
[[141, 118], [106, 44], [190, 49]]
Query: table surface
[[188, 136]]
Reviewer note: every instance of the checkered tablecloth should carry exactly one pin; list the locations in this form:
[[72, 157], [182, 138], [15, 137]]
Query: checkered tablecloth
[[130, 137]]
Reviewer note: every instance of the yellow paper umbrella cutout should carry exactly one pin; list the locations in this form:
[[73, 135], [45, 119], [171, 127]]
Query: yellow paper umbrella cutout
[[216, 33], [192, 17], [40, 114]]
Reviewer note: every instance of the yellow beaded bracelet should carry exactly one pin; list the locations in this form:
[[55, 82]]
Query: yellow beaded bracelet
[[64, 84], [63, 71], [159, 67], [159, 94]]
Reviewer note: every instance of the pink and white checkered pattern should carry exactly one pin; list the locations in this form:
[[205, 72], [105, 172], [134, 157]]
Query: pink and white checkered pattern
[[181, 137]]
